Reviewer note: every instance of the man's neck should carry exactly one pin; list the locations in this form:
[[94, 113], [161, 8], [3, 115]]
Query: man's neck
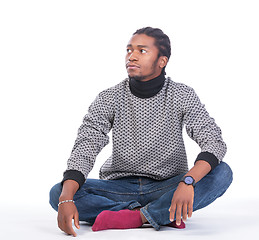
[[146, 89]]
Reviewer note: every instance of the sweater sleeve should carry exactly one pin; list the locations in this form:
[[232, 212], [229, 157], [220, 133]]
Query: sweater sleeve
[[203, 130], [92, 137]]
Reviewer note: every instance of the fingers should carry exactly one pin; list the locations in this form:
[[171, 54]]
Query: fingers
[[66, 226], [178, 216], [76, 220], [180, 211], [172, 210], [176, 211], [190, 209], [65, 215], [182, 203], [184, 214], [68, 229]]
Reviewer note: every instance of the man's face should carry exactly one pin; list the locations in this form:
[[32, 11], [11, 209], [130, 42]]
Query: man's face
[[142, 61]]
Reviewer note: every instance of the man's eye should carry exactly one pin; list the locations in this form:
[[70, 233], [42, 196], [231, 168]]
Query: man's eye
[[129, 51], [143, 51]]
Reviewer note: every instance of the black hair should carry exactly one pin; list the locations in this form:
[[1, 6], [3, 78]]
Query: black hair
[[162, 41]]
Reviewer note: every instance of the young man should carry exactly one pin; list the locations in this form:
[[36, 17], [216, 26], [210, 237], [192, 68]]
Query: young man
[[146, 179]]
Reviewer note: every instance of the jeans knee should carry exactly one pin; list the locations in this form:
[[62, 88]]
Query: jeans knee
[[225, 174], [54, 194], [228, 174]]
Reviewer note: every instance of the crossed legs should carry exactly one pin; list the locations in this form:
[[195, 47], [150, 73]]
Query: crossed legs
[[151, 196]]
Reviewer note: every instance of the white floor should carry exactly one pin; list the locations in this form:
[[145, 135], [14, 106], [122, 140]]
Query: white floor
[[224, 219]]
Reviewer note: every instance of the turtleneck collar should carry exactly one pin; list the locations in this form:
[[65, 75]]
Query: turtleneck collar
[[148, 88]]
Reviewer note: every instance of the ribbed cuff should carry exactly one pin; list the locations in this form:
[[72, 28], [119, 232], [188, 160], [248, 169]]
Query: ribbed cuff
[[209, 158], [74, 175]]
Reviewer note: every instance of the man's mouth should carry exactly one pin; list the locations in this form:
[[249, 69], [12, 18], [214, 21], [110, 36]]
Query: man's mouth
[[132, 66]]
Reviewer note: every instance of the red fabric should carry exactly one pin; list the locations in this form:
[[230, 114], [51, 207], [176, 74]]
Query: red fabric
[[173, 224], [123, 219]]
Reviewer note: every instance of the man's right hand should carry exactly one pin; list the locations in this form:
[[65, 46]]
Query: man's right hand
[[67, 212]]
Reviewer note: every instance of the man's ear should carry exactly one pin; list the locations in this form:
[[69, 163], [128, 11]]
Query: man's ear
[[163, 61]]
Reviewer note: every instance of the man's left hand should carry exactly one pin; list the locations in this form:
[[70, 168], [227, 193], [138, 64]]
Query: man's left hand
[[182, 203]]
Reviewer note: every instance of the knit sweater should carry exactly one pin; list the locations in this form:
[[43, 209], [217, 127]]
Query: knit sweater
[[146, 133]]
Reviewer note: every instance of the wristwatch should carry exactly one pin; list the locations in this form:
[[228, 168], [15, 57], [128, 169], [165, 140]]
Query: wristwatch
[[188, 180]]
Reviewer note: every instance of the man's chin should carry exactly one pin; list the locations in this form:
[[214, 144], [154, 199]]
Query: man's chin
[[136, 77]]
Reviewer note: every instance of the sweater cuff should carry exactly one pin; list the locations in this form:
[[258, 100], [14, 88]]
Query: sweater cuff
[[74, 175], [209, 158]]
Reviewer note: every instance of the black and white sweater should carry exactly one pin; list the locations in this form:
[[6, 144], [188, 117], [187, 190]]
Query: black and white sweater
[[146, 133]]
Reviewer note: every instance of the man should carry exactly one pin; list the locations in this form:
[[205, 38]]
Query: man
[[146, 180]]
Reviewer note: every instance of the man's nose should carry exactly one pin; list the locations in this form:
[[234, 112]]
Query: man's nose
[[133, 56]]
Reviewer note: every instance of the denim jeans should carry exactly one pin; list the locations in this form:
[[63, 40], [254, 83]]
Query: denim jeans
[[153, 197]]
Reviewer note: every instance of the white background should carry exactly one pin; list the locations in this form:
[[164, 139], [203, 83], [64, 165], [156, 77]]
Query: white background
[[56, 56]]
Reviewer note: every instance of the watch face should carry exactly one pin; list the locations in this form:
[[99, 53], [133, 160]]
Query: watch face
[[188, 180]]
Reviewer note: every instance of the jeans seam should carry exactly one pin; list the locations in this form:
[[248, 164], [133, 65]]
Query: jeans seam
[[147, 192], [134, 205], [142, 193], [149, 218], [119, 193], [158, 189]]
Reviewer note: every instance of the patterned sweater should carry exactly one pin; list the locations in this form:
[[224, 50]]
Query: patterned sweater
[[146, 133]]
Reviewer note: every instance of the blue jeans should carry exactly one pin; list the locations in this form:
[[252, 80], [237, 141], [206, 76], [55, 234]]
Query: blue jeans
[[151, 196]]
